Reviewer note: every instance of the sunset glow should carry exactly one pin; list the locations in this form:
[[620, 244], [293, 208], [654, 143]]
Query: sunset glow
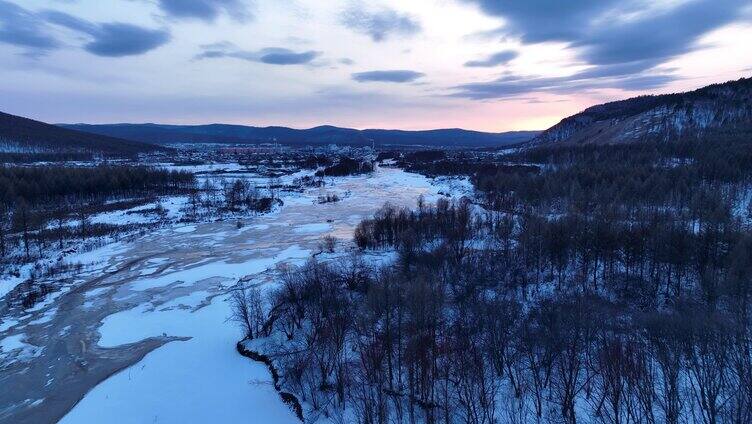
[[475, 64]]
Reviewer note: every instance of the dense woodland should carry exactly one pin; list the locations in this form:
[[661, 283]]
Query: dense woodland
[[26, 136], [346, 166], [29, 158], [582, 284], [37, 204], [47, 185]]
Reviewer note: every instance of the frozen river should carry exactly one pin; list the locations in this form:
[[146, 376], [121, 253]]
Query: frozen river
[[143, 337]]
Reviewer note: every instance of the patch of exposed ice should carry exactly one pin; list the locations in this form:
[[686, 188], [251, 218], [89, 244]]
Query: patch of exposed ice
[[96, 292], [7, 324], [312, 228], [47, 317], [186, 229], [224, 269], [12, 343], [199, 380], [16, 345], [8, 283]]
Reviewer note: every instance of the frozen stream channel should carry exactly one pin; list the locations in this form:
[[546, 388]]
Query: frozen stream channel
[[143, 337]]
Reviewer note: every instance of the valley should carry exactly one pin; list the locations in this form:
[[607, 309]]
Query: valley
[[597, 272]]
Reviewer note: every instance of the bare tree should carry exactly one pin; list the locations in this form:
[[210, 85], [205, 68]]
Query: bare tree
[[22, 218], [248, 310], [708, 361], [275, 184], [328, 243], [5, 214], [60, 214], [83, 220], [194, 199]]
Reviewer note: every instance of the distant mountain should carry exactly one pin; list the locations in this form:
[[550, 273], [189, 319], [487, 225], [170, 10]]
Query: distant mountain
[[23, 135], [718, 108], [222, 133]]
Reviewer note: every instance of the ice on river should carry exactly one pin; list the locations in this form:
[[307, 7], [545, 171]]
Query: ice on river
[[199, 380], [175, 282], [312, 228]]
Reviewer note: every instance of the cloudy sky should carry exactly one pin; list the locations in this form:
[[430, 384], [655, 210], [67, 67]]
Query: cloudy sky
[[492, 65]]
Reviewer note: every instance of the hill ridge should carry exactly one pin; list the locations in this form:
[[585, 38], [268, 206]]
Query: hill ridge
[[318, 135], [660, 117], [24, 135]]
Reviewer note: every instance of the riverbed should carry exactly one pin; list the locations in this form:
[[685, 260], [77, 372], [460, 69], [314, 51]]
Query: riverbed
[[143, 333]]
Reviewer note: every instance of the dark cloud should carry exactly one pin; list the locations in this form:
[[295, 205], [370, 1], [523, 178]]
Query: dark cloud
[[117, 39], [30, 30], [278, 56], [22, 28], [399, 76], [644, 82], [623, 41], [536, 21], [614, 31], [660, 36], [207, 10], [270, 55], [379, 25], [509, 86], [111, 39], [69, 21], [543, 102], [495, 59]]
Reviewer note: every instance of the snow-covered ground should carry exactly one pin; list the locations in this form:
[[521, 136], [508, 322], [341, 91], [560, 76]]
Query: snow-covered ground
[[203, 379], [142, 216], [142, 333], [10, 282]]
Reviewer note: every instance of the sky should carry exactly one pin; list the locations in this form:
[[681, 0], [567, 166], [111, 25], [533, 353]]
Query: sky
[[489, 65]]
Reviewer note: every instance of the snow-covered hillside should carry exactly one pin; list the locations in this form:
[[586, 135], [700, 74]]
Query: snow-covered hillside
[[661, 118]]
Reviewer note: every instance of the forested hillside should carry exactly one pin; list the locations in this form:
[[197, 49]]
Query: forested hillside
[[20, 136], [700, 114], [326, 134], [580, 284]]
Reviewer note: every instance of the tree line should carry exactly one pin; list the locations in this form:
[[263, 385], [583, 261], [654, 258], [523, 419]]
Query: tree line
[[38, 202], [346, 166], [39, 185], [35, 202]]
